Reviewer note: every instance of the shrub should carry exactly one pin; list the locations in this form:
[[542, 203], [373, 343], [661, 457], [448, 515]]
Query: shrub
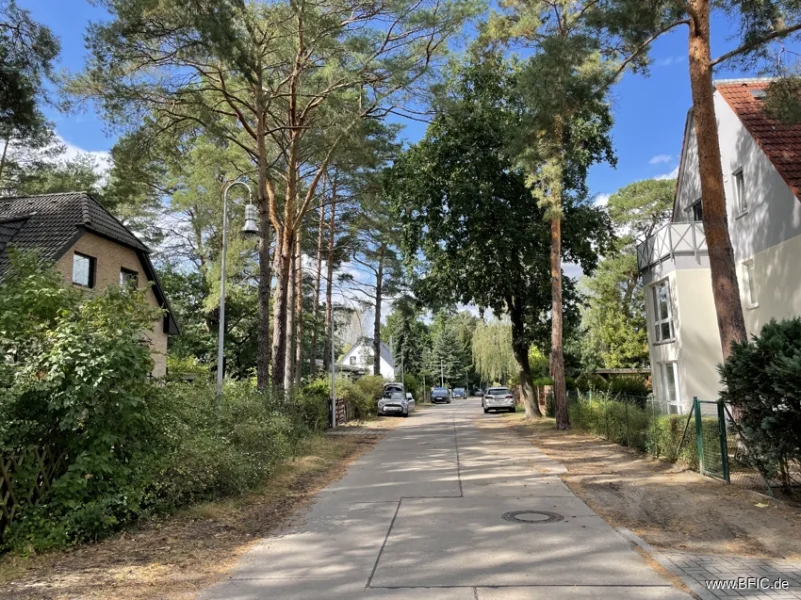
[[371, 386], [762, 381], [593, 382], [629, 386], [542, 381]]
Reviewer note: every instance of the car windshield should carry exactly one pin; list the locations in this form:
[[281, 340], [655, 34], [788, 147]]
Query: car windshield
[[458, 389], [440, 390]]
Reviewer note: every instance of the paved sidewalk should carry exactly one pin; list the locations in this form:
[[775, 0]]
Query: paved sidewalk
[[442, 510], [753, 578]]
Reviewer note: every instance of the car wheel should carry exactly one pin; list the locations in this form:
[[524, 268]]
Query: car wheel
[[511, 410], [406, 414], [486, 410]]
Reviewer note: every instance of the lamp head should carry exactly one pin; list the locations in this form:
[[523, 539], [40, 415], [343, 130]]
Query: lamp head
[[251, 227]]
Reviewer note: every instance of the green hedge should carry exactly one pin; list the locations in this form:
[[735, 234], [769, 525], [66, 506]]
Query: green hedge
[[626, 423]]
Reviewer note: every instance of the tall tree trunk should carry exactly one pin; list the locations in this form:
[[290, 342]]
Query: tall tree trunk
[[725, 289], [329, 285], [379, 284], [291, 321], [283, 248], [316, 302], [520, 350], [298, 312], [265, 272], [557, 353]]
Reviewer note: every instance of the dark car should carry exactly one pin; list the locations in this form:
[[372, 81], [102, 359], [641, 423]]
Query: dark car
[[478, 392], [459, 393], [440, 394]]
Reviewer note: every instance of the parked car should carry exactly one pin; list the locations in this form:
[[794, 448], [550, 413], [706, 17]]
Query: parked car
[[440, 394], [398, 403], [459, 393], [478, 392], [498, 398]]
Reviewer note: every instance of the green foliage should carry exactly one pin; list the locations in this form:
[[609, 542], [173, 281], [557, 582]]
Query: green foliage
[[629, 386], [76, 384], [492, 351], [762, 381], [589, 382], [27, 52]]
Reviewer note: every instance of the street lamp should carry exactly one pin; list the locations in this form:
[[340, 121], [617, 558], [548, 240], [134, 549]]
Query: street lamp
[[250, 228]]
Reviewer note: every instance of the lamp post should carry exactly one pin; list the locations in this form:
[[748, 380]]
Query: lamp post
[[250, 228]]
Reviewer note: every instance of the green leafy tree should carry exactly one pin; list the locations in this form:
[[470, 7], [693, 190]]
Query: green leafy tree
[[492, 352], [615, 315], [410, 335], [471, 217], [27, 52]]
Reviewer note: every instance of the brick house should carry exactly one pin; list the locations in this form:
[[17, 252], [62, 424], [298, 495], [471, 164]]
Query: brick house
[[89, 247]]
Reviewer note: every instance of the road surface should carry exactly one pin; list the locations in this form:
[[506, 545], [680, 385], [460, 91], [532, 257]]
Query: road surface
[[429, 514]]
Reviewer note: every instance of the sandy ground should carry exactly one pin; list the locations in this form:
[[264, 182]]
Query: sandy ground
[[668, 506], [174, 558]]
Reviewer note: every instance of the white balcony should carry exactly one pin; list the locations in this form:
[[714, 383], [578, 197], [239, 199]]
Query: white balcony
[[672, 239]]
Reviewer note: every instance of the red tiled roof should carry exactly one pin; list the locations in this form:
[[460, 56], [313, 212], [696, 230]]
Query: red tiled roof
[[780, 142]]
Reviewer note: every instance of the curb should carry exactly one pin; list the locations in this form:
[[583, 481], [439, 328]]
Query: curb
[[696, 588]]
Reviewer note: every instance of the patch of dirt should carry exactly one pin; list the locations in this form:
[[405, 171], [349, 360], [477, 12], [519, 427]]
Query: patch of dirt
[[176, 557], [668, 506]]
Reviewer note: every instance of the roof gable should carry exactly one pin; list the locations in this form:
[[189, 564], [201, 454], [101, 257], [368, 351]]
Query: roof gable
[[50, 223], [781, 142]]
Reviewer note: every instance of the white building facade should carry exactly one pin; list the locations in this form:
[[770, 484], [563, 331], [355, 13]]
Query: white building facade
[[761, 162], [360, 356]]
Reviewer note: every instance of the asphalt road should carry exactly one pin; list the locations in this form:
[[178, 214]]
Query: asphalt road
[[426, 516]]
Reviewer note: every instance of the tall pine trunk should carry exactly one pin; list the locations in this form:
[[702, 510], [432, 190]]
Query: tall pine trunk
[[284, 249], [520, 350], [379, 284], [329, 285], [557, 353], [265, 271], [298, 312], [316, 301], [725, 289], [291, 322]]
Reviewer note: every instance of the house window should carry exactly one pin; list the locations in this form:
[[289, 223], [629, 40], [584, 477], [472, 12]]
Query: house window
[[83, 270], [695, 212], [750, 284], [129, 278], [352, 360], [669, 375], [739, 192], [663, 323]]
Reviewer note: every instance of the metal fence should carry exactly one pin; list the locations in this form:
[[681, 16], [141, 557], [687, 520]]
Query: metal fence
[[725, 452]]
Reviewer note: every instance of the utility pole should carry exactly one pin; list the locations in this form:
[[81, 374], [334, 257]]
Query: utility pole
[[442, 372]]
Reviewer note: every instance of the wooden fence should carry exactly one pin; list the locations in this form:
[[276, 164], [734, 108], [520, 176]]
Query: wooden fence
[[25, 479]]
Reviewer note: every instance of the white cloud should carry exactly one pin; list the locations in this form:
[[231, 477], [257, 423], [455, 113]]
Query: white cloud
[[672, 175], [660, 158], [602, 199], [670, 60], [101, 158]]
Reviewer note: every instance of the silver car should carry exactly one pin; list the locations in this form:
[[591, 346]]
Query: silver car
[[498, 398], [397, 403]]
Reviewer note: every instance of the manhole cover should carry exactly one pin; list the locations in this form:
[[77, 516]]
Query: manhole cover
[[532, 517]]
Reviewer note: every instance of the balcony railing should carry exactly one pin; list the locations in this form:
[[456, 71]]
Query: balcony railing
[[672, 239]]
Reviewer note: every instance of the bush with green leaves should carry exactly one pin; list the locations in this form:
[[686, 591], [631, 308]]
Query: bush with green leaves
[[629, 386], [591, 382], [75, 383], [762, 381]]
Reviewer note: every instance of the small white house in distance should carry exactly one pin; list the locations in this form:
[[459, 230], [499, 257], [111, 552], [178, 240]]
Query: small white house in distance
[[761, 160], [360, 356]]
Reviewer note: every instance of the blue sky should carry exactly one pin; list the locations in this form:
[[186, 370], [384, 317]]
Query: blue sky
[[649, 111]]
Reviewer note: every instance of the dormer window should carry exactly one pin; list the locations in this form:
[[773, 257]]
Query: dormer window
[[739, 193]]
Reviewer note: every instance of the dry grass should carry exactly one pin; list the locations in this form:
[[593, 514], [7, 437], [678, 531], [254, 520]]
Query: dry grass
[[175, 557], [666, 505]]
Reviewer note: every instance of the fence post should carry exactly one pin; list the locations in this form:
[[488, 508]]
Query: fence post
[[699, 438], [724, 446]]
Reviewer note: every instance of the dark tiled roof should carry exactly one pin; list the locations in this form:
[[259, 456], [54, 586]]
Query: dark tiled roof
[[780, 142], [50, 223]]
